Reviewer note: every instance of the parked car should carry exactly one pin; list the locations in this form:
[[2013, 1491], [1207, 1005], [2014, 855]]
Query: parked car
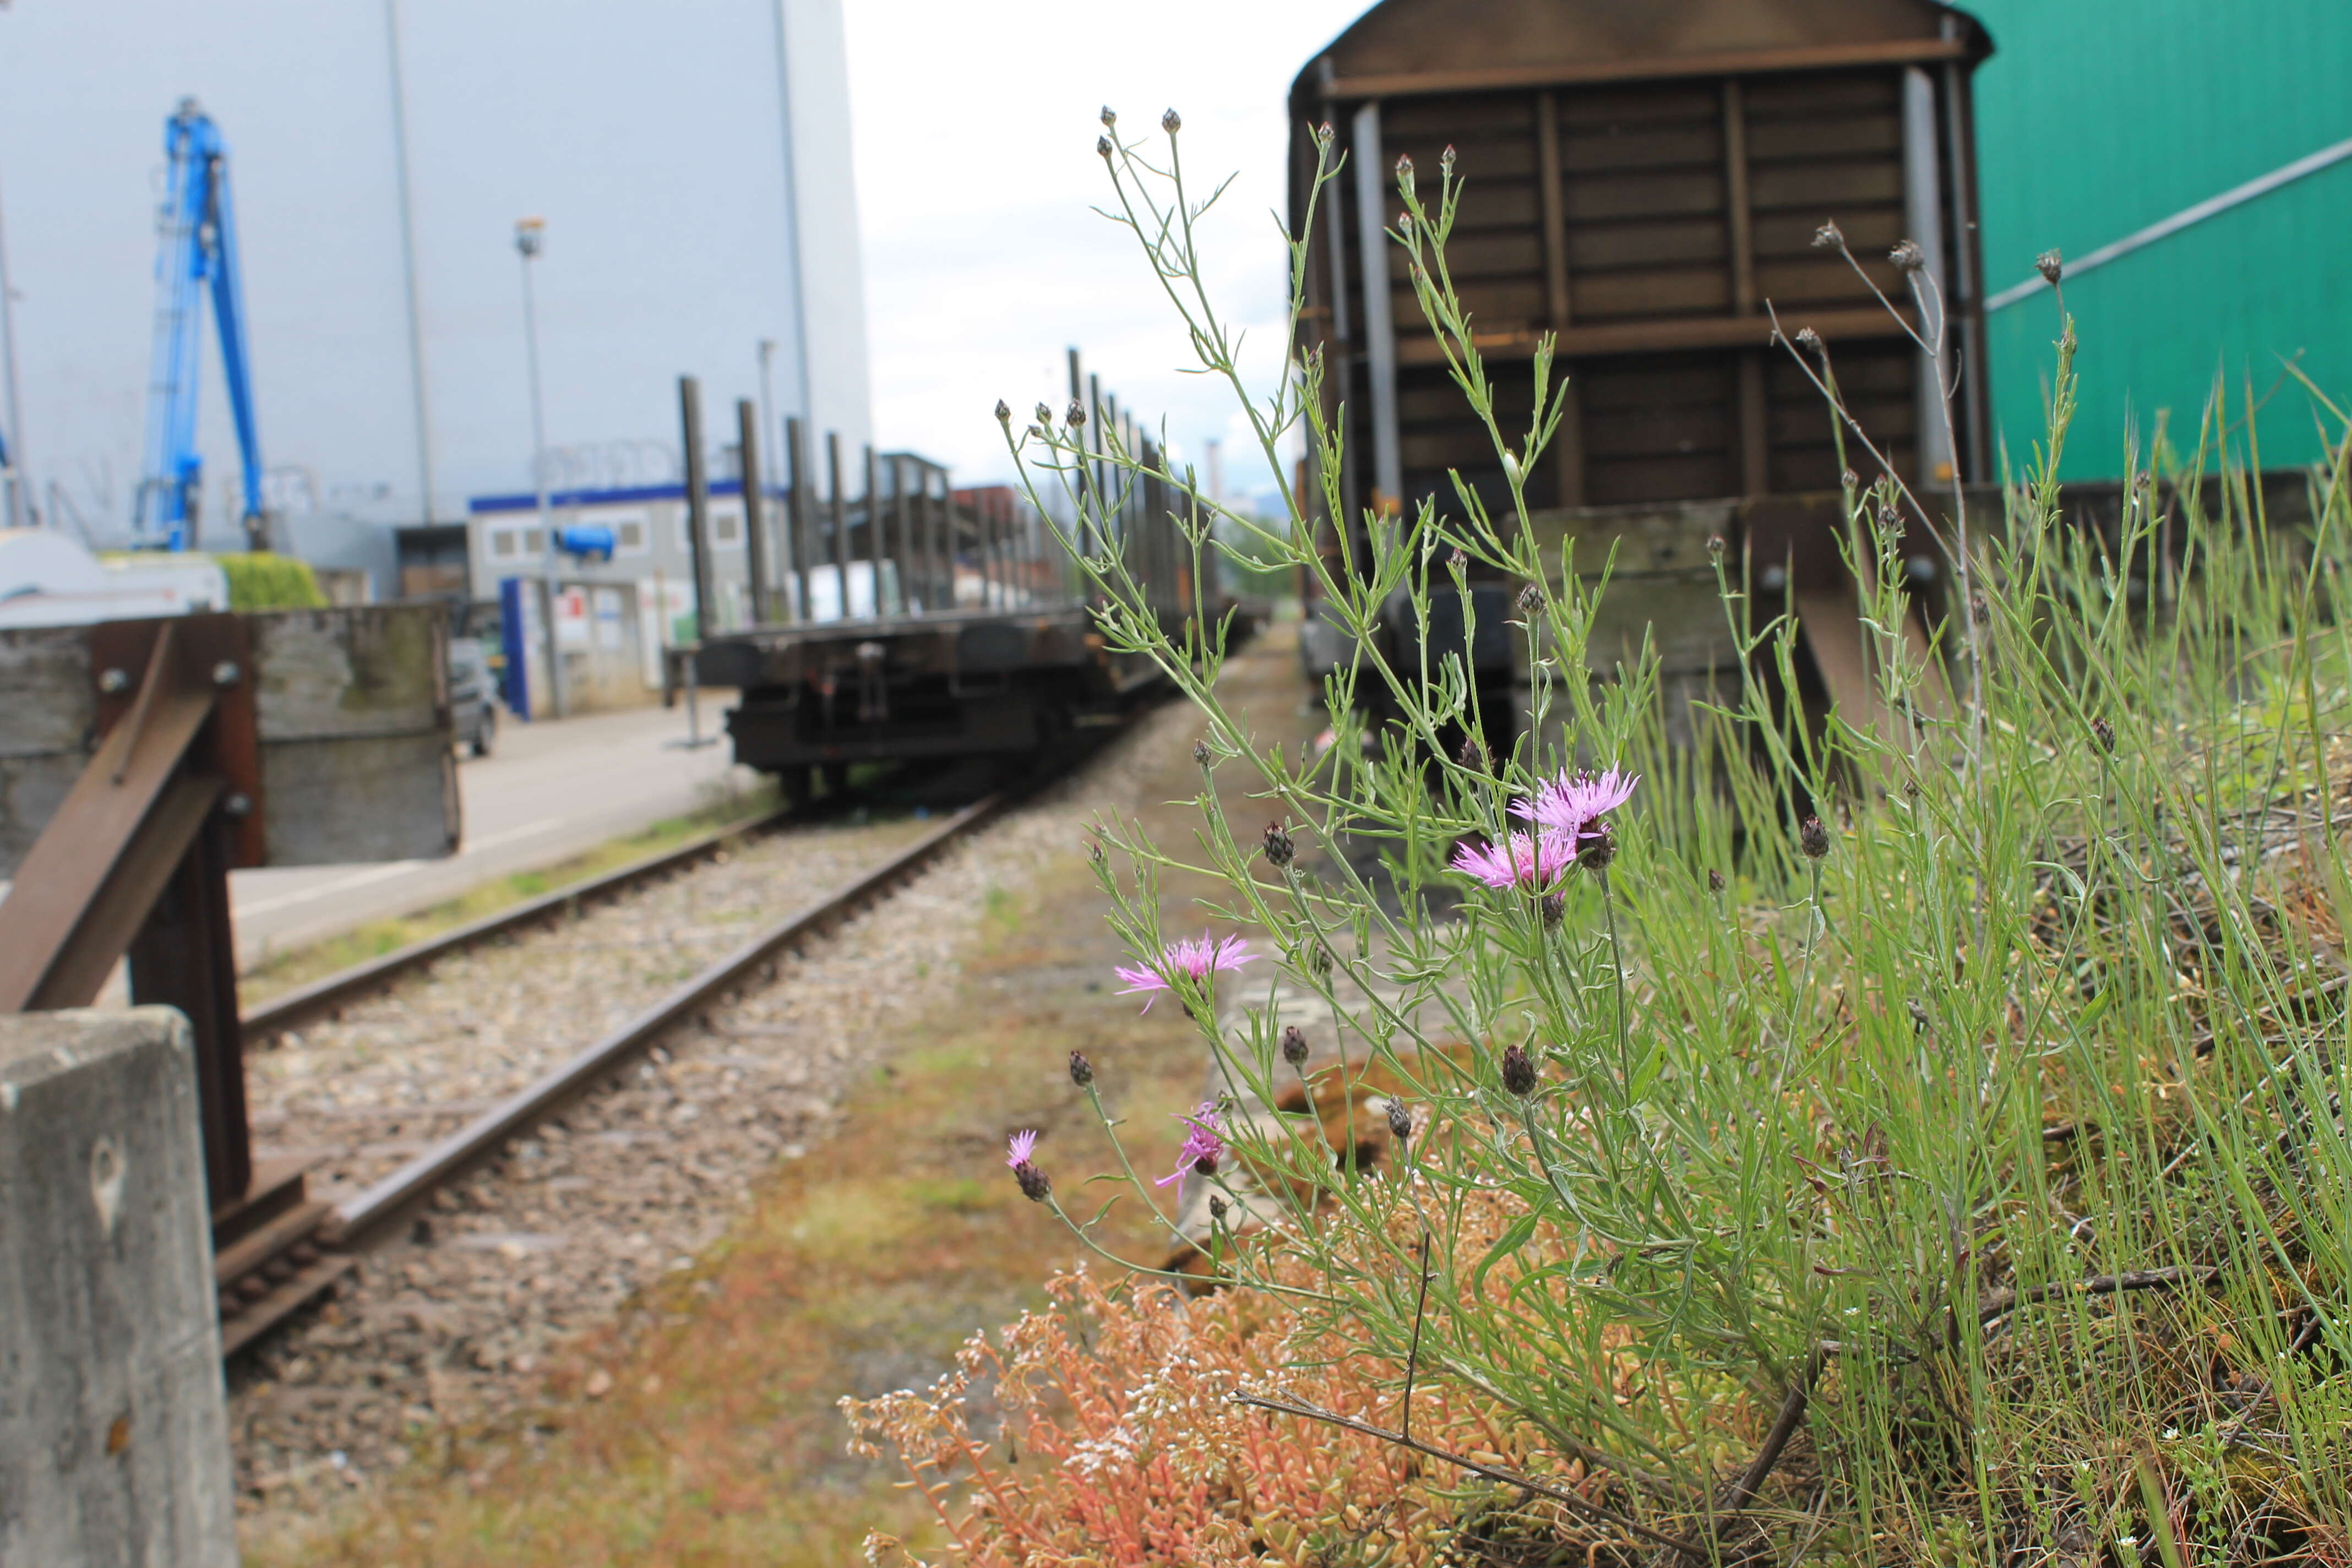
[[473, 695]]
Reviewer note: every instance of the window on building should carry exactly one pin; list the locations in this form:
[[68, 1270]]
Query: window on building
[[726, 530], [630, 535], [502, 543], [534, 541]]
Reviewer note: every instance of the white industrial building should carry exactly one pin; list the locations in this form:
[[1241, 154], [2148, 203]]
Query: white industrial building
[[690, 162]]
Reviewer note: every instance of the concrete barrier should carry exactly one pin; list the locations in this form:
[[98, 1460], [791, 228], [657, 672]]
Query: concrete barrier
[[113, 1426]]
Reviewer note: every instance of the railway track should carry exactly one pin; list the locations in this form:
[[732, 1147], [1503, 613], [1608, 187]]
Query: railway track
[[324, 997], [401, 1136]]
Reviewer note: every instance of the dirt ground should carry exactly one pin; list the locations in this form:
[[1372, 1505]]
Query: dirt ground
[[699, 1426]]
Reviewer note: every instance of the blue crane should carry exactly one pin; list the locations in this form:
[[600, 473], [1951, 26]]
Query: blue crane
[[197, 229]]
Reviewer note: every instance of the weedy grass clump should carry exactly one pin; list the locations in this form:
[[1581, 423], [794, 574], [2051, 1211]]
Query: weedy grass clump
[[1913, 1138]]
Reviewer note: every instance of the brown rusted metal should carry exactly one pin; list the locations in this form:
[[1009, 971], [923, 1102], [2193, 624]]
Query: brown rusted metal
[[134, 864], [1833, 57], [88, 881], [184, 957]]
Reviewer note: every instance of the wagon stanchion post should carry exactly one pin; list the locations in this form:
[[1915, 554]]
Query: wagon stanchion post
[[800, 513], [936, 497], [755, 516], [1085, 511], [1094, 437], [697, 509], [991, 534], [1085, 520], [837, 550], [876, 552], [910, 555]]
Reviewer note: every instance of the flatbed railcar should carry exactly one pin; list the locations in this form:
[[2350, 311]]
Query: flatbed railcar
[[979, 642], [1643, 182]]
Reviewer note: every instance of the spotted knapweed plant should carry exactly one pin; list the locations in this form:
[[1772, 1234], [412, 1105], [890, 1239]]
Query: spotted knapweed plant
[[1921, 1130]]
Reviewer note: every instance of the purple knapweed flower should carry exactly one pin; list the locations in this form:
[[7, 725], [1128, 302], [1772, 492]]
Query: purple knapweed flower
[[1198, 957], [1531, 862], [1034, 1185], [1204, 1144], [1570, 804]]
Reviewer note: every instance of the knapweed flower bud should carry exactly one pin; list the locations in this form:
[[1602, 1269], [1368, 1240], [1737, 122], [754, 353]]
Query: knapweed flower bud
[[1555, 909], [1530, 599], [1082, 1071], [1404, 173], [1519, 1071], [1102, 148], [2102, 734], [1714, 546], [1033, 1183], [1596, 848], [1399, 1121], [1321, 962], [1045, 416], [1457, 559], [1323, 134], [1715, 882], [1828, 236], [1473, 755], [1808, 339], [1907, 256], [1278, 847], [1075, 416], [1849, 479], [1200, 753], [1445, 161], [2052, 266], [1812, 837], [1218, 1208], [1171, 122], [1979, 611], [1004, 411], [1110, 116], [1294, 1045]]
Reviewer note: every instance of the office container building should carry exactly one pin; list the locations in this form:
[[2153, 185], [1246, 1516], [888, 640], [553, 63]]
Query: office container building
[[690, 163]]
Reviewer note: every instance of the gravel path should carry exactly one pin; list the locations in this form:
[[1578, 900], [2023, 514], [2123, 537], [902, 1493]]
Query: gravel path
[[458, 1322]]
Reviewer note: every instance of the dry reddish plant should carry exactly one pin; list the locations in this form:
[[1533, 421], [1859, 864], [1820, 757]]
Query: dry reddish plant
[[1120, 1444]]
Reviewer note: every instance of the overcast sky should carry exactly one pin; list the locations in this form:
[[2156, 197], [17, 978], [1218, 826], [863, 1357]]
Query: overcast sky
[[974, 133]]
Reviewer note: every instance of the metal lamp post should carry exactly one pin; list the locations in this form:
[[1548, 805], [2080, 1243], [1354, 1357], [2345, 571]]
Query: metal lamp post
[[13, 473], [530, 234]]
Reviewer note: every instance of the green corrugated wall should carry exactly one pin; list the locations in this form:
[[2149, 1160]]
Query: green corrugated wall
[[2097, 117]]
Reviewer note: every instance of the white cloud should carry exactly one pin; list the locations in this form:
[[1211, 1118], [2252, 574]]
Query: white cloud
[[975, 128]]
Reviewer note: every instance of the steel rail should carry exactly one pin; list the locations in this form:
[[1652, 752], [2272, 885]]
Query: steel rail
[[367, 1214], [322, 997]]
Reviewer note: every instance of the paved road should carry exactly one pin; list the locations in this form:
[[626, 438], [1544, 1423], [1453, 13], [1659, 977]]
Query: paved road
[[550, 790]]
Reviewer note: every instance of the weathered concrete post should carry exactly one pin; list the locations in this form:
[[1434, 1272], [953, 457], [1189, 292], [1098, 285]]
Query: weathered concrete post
[[113, 1427]]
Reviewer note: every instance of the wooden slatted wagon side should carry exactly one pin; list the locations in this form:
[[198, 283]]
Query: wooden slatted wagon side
[[1646, 183]]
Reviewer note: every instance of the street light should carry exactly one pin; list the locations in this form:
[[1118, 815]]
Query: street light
[[530, 234]]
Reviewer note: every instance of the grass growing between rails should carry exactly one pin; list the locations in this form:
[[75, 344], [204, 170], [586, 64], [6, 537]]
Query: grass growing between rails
[[283, 972], [1914, 1138]]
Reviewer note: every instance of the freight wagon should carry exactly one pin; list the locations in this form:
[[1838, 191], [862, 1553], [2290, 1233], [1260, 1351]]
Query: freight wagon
[[989, 652], [1646, 183]]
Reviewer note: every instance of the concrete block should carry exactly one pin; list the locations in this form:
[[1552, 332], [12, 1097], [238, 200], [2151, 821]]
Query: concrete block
[[113, 1421]]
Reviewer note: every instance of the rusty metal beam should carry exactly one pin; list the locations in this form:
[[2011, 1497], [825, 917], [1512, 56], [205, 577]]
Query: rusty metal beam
[[88, 880], [1757, 62]]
